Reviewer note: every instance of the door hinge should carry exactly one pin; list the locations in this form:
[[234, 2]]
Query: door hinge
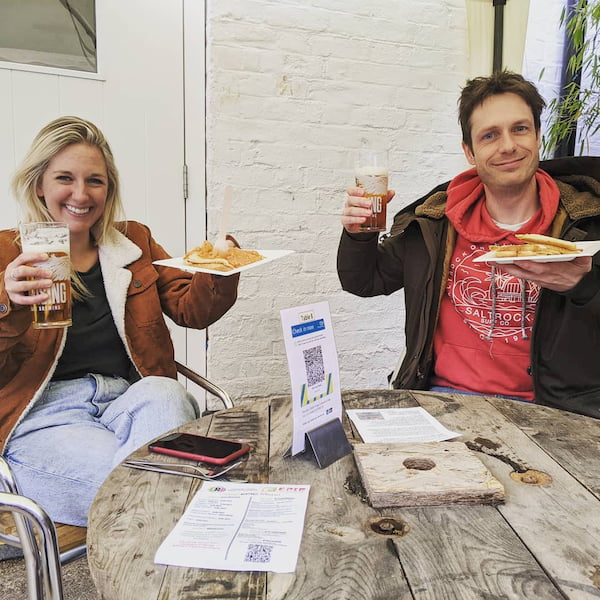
[[185, 182]]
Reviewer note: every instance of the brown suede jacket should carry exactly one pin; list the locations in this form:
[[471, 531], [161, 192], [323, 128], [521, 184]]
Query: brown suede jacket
[[138, 293]]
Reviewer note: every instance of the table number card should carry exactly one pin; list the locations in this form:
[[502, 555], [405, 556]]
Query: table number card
[[314, 374]]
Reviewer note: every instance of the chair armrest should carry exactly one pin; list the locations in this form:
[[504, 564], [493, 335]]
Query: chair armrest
[[206, 384], [42, 561]]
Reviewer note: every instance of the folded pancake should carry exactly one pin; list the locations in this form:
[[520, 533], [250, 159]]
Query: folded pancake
[[536, 238], [206, 257], [535, 245]]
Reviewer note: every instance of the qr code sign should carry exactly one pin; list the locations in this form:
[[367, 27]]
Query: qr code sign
[[313, 362], [258, 553]]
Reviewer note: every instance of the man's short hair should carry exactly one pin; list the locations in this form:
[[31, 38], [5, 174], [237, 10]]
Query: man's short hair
[[479, 89]]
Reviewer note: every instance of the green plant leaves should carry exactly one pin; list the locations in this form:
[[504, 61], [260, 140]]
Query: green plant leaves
[[578, 109]]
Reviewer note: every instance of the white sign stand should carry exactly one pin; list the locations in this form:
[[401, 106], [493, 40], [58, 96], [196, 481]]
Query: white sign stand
[[314, 374]]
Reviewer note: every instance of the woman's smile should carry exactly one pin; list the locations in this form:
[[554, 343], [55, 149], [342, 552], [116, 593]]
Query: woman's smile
[[74, 187]]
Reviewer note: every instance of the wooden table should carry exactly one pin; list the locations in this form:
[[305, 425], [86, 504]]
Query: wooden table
[[542, 543]]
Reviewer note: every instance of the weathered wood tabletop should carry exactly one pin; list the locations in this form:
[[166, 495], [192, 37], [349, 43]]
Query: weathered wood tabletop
[[542, 543]]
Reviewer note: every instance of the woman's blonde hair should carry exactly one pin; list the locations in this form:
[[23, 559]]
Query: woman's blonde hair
[[51, 139]]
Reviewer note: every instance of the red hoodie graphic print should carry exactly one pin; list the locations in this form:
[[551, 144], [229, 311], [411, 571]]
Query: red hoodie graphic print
[[482, 341]]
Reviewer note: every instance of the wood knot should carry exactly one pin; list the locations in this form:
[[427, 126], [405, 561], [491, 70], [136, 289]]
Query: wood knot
[[531, 477], [388, 526], [420, 464]]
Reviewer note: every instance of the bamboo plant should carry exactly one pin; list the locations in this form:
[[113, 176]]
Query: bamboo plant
[[578, 108]]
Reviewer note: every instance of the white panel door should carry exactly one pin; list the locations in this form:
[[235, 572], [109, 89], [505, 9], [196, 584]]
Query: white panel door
[[138, 101]]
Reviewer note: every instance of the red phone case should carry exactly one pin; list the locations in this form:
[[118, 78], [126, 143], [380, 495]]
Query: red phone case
[[199, 457]]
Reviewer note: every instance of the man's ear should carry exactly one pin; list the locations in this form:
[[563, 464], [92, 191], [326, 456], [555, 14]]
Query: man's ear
[[468, 153]]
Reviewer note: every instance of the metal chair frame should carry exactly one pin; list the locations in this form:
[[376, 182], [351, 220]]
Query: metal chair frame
[[42, 559], [206, 384]]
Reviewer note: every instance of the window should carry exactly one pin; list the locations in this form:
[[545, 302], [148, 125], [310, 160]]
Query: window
[[49, 33]]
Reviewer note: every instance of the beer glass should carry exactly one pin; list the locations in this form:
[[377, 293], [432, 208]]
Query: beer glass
[[371, 174], [53, 239]]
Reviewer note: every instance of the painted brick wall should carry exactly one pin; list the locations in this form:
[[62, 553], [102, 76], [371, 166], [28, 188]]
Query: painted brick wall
[[293, 87]]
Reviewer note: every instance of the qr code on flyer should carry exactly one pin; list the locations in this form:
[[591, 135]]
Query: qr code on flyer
[[313, 362], [258, 553]]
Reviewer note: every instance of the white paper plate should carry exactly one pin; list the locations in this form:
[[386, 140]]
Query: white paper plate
[[179, 263], [587, 249]]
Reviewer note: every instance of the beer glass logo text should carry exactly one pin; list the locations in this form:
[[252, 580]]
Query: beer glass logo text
[[58, 296]]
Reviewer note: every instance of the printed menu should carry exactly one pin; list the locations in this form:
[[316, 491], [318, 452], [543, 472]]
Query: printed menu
[[413, 424], [239, 527]]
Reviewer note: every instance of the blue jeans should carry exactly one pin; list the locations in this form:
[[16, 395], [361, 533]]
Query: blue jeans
[[80, 429]]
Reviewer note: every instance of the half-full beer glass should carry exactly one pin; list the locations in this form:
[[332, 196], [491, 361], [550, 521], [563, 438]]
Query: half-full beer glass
[[371, 173], [53, 239]]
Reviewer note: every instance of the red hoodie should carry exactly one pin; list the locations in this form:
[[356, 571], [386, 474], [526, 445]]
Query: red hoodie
[[481, 342]]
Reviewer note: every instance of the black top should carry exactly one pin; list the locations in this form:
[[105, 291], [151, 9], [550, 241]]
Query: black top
[[93, 344]]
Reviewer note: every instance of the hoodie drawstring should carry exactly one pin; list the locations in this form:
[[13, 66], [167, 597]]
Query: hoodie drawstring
[[523, 308], [494, 293]]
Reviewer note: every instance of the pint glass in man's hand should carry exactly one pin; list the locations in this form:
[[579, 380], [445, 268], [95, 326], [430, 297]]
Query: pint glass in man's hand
[[53, 239], [371, 174]]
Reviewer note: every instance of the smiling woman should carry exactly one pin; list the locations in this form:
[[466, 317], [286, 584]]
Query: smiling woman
[[74, 188], [70, 176], [74, 401]]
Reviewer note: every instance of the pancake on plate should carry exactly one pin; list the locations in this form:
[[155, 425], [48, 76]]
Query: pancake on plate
[[206, 257], [535, 245]]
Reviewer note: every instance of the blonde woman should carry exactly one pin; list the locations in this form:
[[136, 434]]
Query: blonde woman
[[75, 401]]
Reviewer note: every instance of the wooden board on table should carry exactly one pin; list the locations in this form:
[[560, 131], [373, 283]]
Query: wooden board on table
[[425, 474]]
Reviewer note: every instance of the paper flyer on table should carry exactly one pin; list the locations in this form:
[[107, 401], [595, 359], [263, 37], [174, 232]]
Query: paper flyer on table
[[239, 527], [314, 371], [392, 425]]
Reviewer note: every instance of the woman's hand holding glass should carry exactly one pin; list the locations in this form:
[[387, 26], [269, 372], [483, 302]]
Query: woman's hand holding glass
[[25, 283]]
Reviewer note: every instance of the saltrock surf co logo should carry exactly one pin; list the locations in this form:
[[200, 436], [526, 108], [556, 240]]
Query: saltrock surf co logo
[[471, 290]]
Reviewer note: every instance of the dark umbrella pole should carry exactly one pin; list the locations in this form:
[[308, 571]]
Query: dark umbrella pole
[[498, 34]]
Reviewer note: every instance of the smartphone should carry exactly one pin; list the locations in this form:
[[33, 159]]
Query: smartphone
[[211, 450]]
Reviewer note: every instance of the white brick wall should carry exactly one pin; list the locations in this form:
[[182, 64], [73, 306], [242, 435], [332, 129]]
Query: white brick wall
[[293, 87]]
